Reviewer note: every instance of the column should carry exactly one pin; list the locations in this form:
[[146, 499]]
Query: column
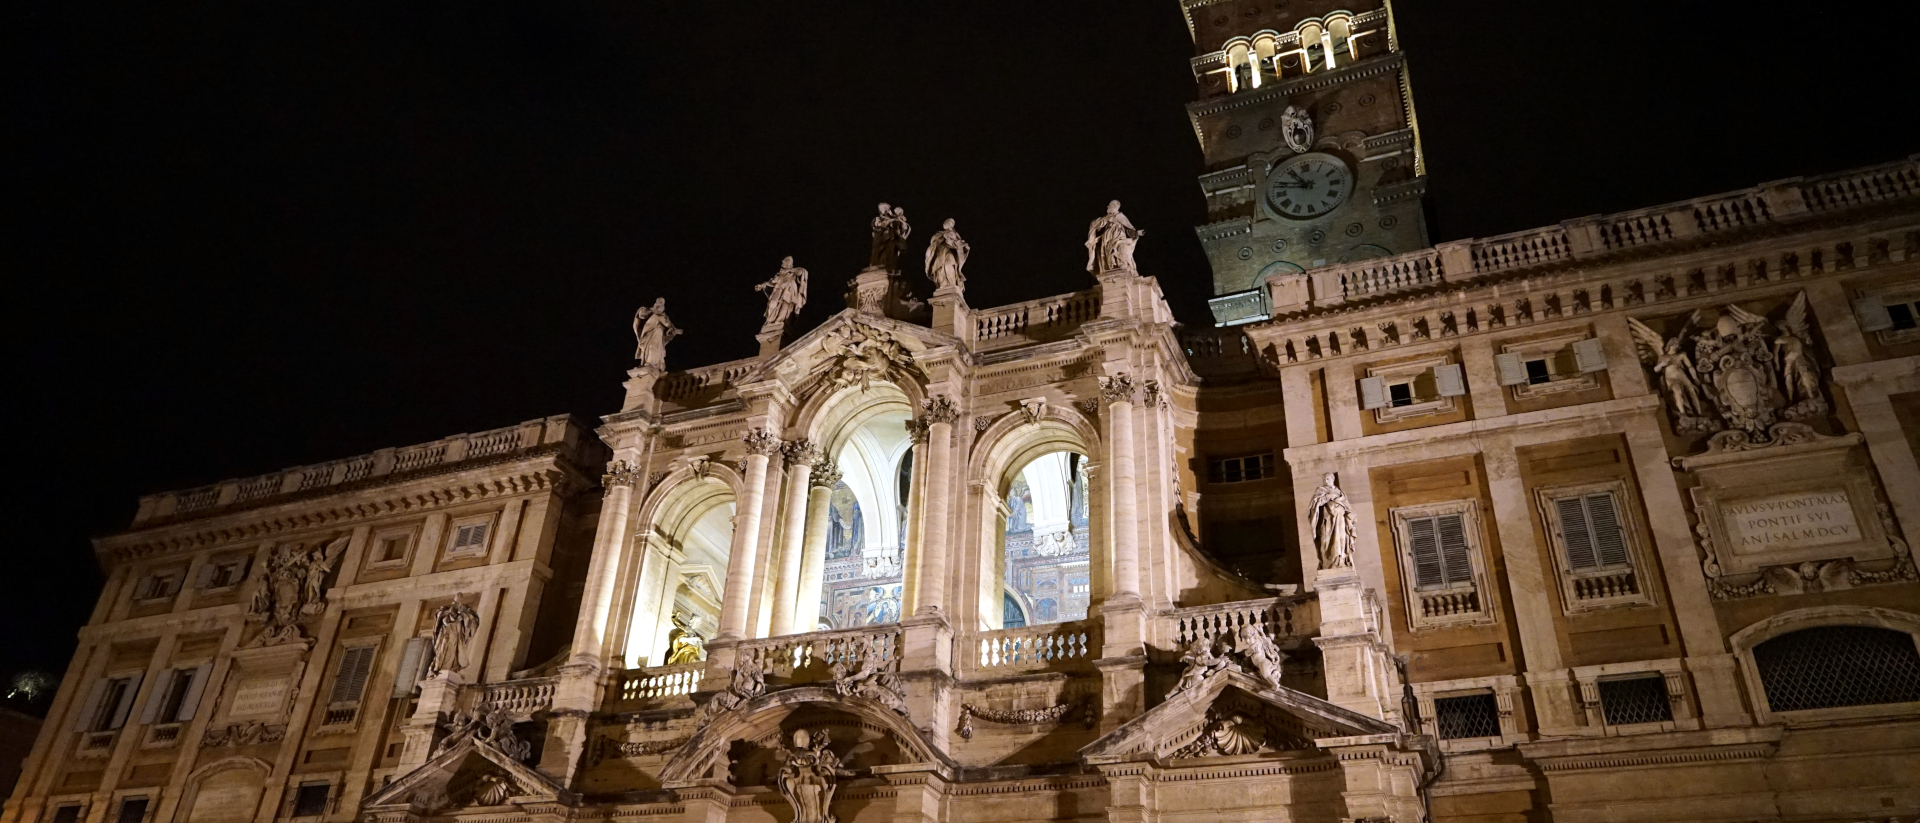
[[1118, 393], [589, 634], [813, 560], [801, 456], [761, 445], [939, 413]]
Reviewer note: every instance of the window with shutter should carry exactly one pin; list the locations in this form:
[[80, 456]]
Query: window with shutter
[[470, 538], [1427, 569], [1574, 533], [1453, 549], [1590, 356], [350, 680], [1609, 540]]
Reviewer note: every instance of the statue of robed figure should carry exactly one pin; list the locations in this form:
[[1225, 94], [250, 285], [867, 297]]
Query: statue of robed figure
[[786, 294], [652, 331], [1110, 242], [946, 255], [1332, 521]]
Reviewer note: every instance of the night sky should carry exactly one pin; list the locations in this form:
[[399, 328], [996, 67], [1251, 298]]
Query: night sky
[[246, 236]]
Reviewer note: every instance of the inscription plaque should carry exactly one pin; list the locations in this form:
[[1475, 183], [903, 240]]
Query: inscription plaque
[[1791, 521], [261, 697]]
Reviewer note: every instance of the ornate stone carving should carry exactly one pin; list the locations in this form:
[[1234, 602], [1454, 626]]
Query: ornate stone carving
[[1117, 389], [1226, 733], [653, 480], [786, 294], [917, 429], [1448, 325], [939, 409], [826, 473], [700, 468], [1016, 717], [889, 240], [946, 256], [1296, 128], [1332, 522], [1253, 652], [493, 789], [746, 683], [1673, 368], [1110, 242], [1150, 394], [493, 728], [1753, 372], [1204, 656], [652, 331], [648, 747], [761, 441], [982, 421], [1389, 334], [861, 672], [1089, 407], [453, 628], [1259, 653], [809, 777], [1033, 409], [867, 354], [291, 588], [684, 645], [802, 453], [1359, 337], [250, 733], [620, 473]]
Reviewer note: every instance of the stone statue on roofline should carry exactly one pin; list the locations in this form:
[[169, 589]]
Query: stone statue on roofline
[[1110, 242], [889, 241], [652, 331], [946, 255], [786, 294]]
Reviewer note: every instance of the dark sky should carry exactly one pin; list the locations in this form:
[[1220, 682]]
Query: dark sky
[[244, 236]]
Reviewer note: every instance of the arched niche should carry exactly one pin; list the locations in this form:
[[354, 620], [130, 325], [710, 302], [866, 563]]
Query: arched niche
[[680, 550], [226, 790], [861, 581], [1003, 451]]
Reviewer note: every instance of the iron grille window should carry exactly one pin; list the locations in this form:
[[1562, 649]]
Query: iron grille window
[[310, 800], [1832, 666], [133, 810], [1632, 700], [1467, 716], [1240, 469]]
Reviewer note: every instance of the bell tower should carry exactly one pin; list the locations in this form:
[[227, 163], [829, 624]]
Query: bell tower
[[1306, 121]]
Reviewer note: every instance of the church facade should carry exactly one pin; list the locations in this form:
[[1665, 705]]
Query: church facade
[[1608, 520]]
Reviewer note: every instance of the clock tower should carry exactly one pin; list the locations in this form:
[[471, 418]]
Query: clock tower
[[1312, 149]]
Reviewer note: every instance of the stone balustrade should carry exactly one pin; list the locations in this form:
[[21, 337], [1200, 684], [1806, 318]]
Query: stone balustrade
[[679, 387], [1035, 321], [1280, 617], [520, 698], [1049, 647], [638, 687], [1581, 239], [810, 657], [384, 463]]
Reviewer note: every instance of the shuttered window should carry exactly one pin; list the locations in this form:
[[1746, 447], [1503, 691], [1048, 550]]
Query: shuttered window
[[350, 680], [1590, 531], [470, 538], [1439, 545]]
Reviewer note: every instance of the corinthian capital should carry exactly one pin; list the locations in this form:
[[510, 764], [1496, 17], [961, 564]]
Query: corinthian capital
[[917, 429], [620, 473], [939, 409], [826, 473], [761, 441], [802, 453], [1116, 389]]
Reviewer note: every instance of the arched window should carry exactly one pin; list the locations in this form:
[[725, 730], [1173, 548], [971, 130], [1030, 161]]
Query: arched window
[[1829, 667], [1044, 547]]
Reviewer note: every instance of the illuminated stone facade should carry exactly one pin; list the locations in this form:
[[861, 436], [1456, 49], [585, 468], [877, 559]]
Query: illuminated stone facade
[[1608, 520]]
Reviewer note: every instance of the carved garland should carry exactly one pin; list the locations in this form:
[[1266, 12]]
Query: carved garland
[[1015, 717]]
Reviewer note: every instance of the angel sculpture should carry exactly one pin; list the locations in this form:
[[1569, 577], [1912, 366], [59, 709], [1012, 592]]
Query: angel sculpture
[[1793, 355], [1203, 658], [1673, 368], [652, 331], [1260, 652]]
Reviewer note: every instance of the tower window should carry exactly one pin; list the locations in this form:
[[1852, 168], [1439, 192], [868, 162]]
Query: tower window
[[1240, 469]]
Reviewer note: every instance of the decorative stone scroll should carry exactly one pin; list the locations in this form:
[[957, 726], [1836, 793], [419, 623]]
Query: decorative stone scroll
[[810, 776], [861, 672], [250, 733], [1012, 717], [746, 683]]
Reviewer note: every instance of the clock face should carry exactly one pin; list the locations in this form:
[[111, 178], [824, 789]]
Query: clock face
[[1308, 186]]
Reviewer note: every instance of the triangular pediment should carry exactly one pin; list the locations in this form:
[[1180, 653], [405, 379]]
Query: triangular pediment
[[468, 774], [1231, 713]]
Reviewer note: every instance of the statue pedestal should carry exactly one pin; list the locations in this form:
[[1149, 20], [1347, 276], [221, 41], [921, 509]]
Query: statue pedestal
[[1117, 294], [639, 386], [770, 337], [870, 288], [439, 699], [951, 315], [1359, 666]]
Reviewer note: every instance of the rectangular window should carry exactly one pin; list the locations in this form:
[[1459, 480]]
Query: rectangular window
[[1590, 530], [1637, 699], [470, 538], [392, 548], [349, 683], [220, 573], [158, 586], [67, 814], [1399, 394], [1240, 469], [1538, 371], [1439, 547], [1904, 316], [132, 810], [310, 800], [1467, 716]]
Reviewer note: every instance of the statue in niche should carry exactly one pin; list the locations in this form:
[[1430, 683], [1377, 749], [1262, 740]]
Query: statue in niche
[[292, 588], [1260, 653], [889, 241], [809, 777], [453, 628], [946, 256], [786, 294], [1799, 374], [652, 331], [1332, 522], [684, 645], [1110, 242]]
